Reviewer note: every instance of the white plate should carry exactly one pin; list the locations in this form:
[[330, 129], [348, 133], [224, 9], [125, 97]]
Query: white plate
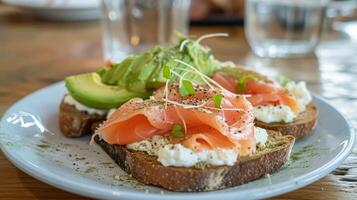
[[60, 9], [74, 166]]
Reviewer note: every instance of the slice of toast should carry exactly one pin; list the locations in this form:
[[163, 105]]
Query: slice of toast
[[301, 127], [148, 170], [75, 123]]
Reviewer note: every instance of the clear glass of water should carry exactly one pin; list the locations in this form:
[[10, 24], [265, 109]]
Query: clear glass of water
[[284, 28], [131, 26]]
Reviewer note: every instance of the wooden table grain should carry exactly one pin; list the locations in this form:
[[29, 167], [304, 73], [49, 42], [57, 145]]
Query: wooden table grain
[[36, 53]]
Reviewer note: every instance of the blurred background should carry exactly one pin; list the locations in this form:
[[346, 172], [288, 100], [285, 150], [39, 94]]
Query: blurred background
[[87, 33]]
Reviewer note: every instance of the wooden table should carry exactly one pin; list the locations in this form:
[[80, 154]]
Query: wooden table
[[35, 53]]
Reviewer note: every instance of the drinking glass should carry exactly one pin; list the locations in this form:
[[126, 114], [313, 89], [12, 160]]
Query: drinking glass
[[284, 28], [131, 26]]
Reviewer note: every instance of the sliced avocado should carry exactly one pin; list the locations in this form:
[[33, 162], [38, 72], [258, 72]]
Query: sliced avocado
[[143, 71], [102, 71], [202, 58], [164, 58], [107, 75], [137, 60], [113, 74], [89, 90], [139, 82], [137, 78]]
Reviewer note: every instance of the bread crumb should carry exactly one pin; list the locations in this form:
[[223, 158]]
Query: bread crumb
[[116, 177], [267, 176], [146, 191], [162, 192]]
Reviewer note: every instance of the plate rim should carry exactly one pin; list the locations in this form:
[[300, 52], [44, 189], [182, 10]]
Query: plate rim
[[91, 191], [38, 6]]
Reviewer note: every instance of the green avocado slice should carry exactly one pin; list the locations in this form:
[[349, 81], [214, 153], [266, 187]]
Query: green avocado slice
[[111, 75], [139, 60], [89, 90], [137, 78]]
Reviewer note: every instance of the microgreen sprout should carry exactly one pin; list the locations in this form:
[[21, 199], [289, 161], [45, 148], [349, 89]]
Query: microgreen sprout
[[183, 43], [176, 131], [186, 88], [203, 37], [186, 106], [166, 91], [218, 100], [205, 78], [181, 118], [203, 105]]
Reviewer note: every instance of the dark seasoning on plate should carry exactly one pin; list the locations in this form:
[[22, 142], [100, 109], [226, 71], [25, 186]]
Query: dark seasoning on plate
[[81, 164]]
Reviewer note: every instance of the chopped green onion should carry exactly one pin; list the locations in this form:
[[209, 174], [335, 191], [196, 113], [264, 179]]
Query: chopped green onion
[[243, 82], [240, 87], [283, 81], [176, 131], [176, 127], [218, 100], [186, 88], [166, 72]]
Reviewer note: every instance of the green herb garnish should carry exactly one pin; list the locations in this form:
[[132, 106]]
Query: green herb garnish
[[176, 131], [240, 87], [218, 100], [186, 88], [201, 165], [166, 72], [283, 81], [44, 146], [91, 169], [243, 82]]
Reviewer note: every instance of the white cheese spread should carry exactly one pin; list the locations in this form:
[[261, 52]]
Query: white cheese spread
[[299, 91], [68, 99], [180, 156], [269, 114], [283, 113], [261, 136]]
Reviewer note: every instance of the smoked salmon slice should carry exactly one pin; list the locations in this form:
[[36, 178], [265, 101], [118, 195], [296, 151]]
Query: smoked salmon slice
[[205, 127], [262, 93]]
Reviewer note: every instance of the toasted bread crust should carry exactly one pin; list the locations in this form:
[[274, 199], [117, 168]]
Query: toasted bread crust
[[301, 127], [74, 123], [148, 170]]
